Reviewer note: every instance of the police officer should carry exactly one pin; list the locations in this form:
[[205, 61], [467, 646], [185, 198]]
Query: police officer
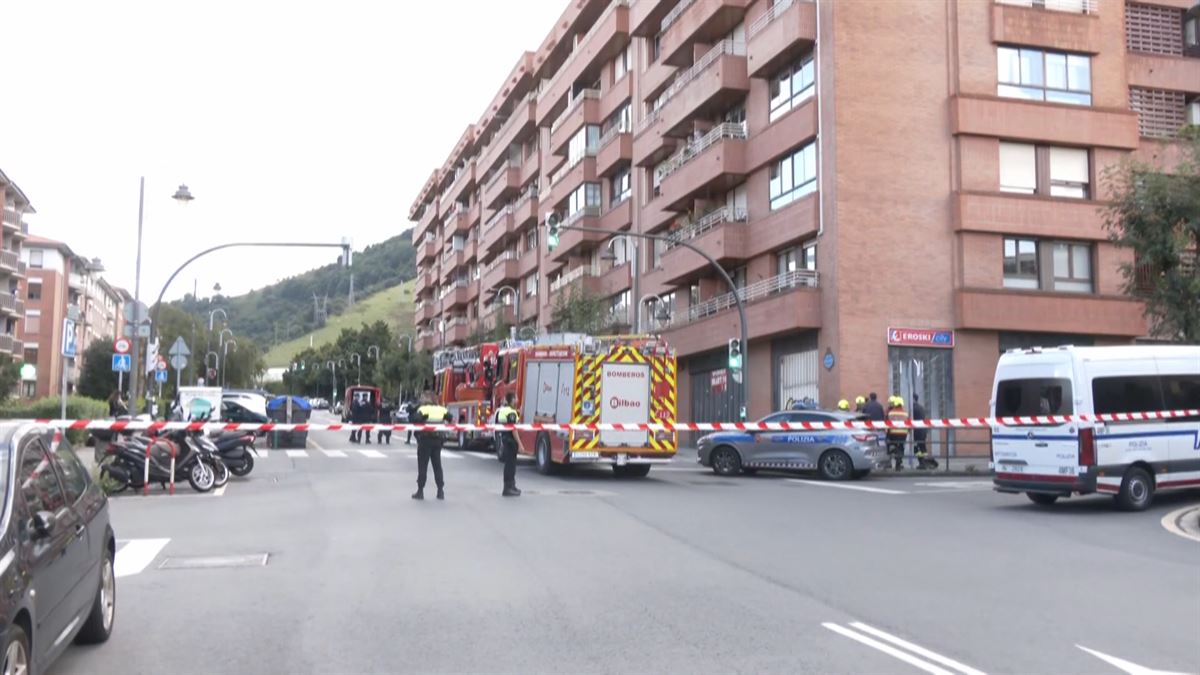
[[506, 444], [429, 446]]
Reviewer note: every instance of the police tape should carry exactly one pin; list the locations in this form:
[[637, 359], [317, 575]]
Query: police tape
[[948, 423]]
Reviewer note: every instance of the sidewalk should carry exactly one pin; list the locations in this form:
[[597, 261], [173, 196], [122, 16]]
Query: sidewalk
[[947, 466]]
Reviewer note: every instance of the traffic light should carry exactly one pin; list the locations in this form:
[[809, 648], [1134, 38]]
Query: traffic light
[[552, 227], [735, 354]]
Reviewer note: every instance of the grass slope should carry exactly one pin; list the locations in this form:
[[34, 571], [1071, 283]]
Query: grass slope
[[393, 305]]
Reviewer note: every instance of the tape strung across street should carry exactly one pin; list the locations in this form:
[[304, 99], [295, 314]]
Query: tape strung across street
[[949, 423]]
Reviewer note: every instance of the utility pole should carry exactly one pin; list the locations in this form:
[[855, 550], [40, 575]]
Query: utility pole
[[350, 302], [137, 295]]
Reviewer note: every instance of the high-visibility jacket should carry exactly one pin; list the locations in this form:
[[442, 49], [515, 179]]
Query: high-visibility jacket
[[897, 414], [505, 414], [431, 413]]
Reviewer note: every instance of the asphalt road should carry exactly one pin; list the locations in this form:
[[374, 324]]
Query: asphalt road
[[679, 572]]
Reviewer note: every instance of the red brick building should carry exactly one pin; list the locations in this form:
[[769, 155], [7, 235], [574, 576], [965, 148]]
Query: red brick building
[[900, 190]]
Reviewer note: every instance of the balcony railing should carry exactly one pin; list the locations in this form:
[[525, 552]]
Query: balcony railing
[[650, 118], [779, 283], [530, 192], [673, 15], [565, 280], [496, 217], [10, 260], [6, 343], [611, 135], [770, 15], [695, 148], [499, 260], [1073, 6], [706, 223], [457, 321], [593, 211], [548, 84], [683, 79], [589, 151], [510, 163], [517, 113], [582, 96]]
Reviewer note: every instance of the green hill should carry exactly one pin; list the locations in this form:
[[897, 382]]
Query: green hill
[[392, 305], [266, 314]]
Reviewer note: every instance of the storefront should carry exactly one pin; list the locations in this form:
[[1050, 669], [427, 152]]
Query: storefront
[[921, 363]]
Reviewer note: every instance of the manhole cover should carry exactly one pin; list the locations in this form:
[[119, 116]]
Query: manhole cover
[[214, 561]]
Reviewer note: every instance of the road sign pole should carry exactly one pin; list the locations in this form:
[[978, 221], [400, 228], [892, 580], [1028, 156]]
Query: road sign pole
[[120, 380]]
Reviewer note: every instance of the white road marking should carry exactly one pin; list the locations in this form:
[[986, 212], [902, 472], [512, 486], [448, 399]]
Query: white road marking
[[844, 486], [916, 649], [334, 453], [6, 561], [887, 649], [1171, 523], [220, 492], [373, 454], [297, 453], [959, 485], [136, 555], [451, 454], [314, 443], [1127, 666]]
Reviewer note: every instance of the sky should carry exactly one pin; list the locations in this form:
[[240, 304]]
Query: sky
[[288, 121]]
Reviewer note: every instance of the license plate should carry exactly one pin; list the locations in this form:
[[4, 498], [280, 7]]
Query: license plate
[[1011, 468], [622, 459]]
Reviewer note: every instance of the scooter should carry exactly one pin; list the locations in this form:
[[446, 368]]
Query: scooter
[[125, 462], [234, 450]]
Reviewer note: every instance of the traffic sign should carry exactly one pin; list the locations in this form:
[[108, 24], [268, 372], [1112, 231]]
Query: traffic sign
[[161, 364], [160, 376], [68, 340], [122, 363], [122, 345], [179, 362], [179, 348], [142, 331], [135, 312]]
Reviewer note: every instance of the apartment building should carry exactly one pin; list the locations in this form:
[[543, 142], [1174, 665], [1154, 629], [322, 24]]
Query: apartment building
[[13, 207], [898, 190]]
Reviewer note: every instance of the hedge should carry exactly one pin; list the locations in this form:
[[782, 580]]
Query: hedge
[[78, 407]]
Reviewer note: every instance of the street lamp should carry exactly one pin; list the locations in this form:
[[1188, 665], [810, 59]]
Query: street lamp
[[661, 313], [182, 197], [332, 365], [225, 359], [498, 294], [374, 348], [209, 366], [610, 255], [358, 361], [405, 336]]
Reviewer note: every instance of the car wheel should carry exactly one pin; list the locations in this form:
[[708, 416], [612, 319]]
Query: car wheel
[[545, 465], [16, 652], [835, 465], [1137, 490], [1041, 498], [726, 461], [99, 622]]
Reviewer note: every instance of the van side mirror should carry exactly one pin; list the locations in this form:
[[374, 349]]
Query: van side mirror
[[43, 524]]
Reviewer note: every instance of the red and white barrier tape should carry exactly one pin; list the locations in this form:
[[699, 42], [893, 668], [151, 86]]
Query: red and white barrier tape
[[951, 423]]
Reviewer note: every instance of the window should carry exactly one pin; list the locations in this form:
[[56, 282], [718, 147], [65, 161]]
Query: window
[[1034, 396], [33, 291], [620, 187], [1020, 263], [38, 482], [618, 306], [531, 239], [33, 321], [810, 257], [792, 86], [793, 176], [1137, 393], [657, 249], [1072, 267], [1038, 75], [583, 144], [621, 120], [621, 63], [531, 286], [693, 295], [36, 257], [1046, 170], [786, 261], [584, 196], [1181, 392], [74, 475]]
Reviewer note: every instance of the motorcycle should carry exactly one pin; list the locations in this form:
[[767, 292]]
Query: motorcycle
[[234, 450], [124, 462]]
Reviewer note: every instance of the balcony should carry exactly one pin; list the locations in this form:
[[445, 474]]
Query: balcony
[[497, 228], [428, 248], [713, 163], [618, 216], [522, 119], [650, 145], [1009, 310], [454, 296], [500, 314], [1158, 71], [570, 176], [502, 270], [721, 234], [1066, 25], [457, 330], [645, 16], [13, 223], [605, 39], [426, 341], [424, 311], [697, 21], [527, 263], [583, 280], [8, 344], [716, 81], [502, 185], [424, 281], [1034, 121], [11, 304], [783, 303], [583, 109], [525, 209], [615, 148], [465, 179], [456, 222], [571, 241], [1029, 215], [779, 35], [10, 260]]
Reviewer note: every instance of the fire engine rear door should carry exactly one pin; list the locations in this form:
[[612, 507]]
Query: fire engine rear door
[[625, 398]]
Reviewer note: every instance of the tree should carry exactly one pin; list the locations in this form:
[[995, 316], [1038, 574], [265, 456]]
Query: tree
[[10, 377], [97, 379], [580, 312], [1157, 215]]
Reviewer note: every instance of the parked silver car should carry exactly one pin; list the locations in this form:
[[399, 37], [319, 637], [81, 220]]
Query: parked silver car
[[834, 454]]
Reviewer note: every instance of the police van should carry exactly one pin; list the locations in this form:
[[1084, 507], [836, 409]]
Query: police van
[[1129, 460]]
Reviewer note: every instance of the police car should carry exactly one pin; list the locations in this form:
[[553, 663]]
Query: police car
[[834, 454]]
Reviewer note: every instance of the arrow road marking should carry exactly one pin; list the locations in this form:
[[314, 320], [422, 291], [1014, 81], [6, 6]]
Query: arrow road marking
[[1126, 666], [927, 663]]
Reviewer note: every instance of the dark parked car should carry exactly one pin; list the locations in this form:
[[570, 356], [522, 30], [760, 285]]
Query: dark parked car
[[56, 551], [238, 413]]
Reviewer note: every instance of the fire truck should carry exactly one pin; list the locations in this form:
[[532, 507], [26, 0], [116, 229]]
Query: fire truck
[[568, 378]]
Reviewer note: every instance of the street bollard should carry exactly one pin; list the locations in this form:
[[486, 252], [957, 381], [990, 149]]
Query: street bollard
[[146, 473]]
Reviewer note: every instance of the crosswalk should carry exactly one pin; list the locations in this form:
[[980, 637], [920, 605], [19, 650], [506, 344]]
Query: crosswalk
[[367, 453]]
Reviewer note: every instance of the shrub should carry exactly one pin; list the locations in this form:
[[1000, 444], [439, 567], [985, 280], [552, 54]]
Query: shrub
[[78, 407]]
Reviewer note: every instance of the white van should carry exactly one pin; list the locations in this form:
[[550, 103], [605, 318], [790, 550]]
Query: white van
[[1130, 460]]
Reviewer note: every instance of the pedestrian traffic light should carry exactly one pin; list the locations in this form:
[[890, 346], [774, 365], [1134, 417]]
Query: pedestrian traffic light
[[552, 227], [735, 354]]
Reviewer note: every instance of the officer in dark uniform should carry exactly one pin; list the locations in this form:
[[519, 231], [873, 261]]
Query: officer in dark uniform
[[429, 446], [506, 444]]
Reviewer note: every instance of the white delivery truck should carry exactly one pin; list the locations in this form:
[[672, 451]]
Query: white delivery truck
[[1129, 460], [199, 402]]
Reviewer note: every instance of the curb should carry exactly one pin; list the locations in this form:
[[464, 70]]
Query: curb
[[936, 473], [1184, 523]]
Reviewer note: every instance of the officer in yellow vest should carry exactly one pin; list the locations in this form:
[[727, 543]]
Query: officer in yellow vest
[[429, 445], [506, 444]]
